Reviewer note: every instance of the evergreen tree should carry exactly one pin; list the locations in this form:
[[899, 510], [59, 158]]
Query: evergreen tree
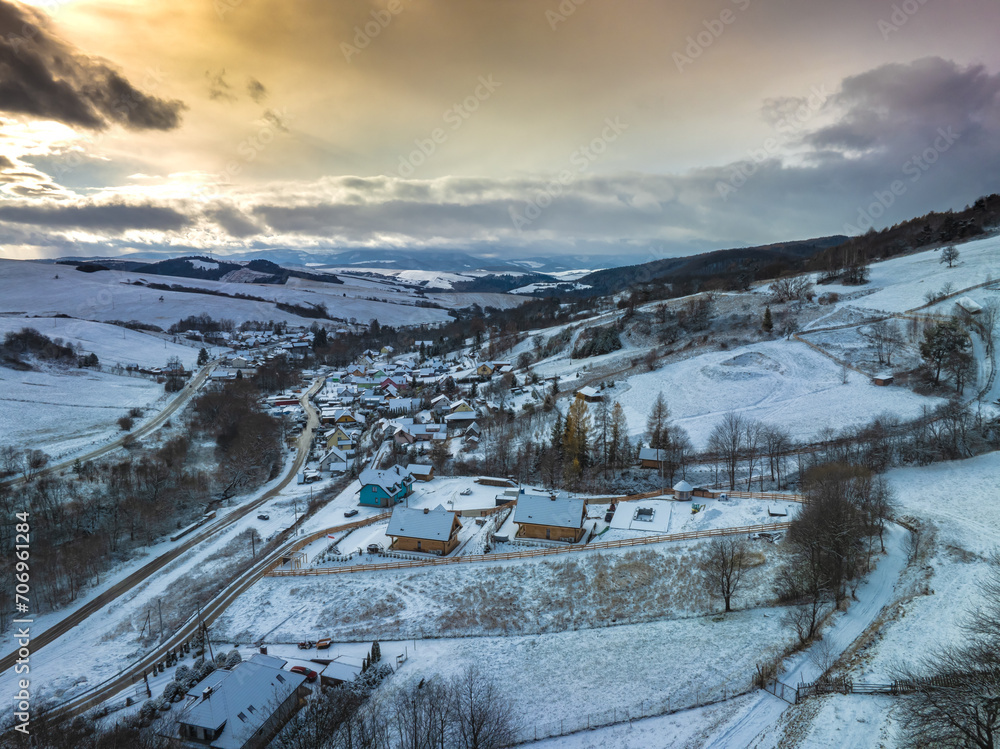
[[656, 424], [202, 357], [768, 324]]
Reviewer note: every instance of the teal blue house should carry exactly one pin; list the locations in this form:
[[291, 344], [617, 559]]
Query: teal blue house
[[385, 488]]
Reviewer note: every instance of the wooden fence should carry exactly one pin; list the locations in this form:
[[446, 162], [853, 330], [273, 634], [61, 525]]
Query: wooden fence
[[472, 558]]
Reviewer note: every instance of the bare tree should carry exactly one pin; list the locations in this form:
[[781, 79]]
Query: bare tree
[[949, 255], [725, 566], [726, 441], [483, 716]]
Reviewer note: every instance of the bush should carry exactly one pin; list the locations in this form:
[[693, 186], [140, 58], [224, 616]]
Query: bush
[[125, 423]]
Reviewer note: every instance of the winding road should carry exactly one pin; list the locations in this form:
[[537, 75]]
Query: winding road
[[123, 586]]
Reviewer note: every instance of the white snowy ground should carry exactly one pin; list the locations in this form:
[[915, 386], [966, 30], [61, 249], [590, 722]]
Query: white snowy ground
[[111, 343], [108, 641], [900, 283], [958, 503], [756, 720], [69, 410], [677, 517], [32, 288], [783, 383]]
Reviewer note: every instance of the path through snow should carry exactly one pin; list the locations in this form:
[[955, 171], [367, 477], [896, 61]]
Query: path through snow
[[760, 714]]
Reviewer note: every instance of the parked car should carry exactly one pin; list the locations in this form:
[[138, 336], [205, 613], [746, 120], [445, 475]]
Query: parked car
[[465, 492], [262, 516], [350, 513], [308, 673], [323, 643], [374, 548], [306, 644]]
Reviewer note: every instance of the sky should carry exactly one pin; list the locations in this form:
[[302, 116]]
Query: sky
[[517, 128]]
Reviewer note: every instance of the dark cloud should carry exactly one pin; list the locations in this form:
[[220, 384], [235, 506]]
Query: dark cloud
[[257, 90], [111, 217], [5, 163], [42, 76], [896, 104], [236, 223]]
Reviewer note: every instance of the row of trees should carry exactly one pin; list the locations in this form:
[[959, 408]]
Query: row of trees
[[467, 711], [833, 540]]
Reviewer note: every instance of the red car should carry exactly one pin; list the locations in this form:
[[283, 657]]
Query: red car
[[310, 675]]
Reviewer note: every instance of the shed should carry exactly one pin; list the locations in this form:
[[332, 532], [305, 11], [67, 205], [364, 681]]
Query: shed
[[882, 379], [969, 306], [421, 472], [682, 491], [589, 395], [340, 670]]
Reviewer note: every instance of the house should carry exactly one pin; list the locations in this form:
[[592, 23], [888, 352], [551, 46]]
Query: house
[[241, 708], [485, 370], [414, 529], [441, 404], [682, 491], [460, 407], [589, 395], [882, 379], [421, 472], [336, 459], [340, 437], [493, 481], [385, 488], [650, 458], [555, 518]]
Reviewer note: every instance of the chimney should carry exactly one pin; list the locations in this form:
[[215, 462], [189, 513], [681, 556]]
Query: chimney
[[206, 693], [426, 510]]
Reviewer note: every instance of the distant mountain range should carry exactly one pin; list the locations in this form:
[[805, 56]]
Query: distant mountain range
[[545, 276]]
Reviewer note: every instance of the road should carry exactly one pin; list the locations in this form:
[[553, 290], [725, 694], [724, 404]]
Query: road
[[156, 422], [98, 602], [761, 714]]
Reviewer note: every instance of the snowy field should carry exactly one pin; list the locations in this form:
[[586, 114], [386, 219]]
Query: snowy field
[[33, 288], [66, 411], [784, 383], [112, 344], [899, 284], [533, 595]]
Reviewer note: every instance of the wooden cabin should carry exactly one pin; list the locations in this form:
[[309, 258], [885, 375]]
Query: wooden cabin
[[558, 518], [434, 531]]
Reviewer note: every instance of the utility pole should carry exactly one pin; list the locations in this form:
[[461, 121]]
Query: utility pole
[[159, 608]]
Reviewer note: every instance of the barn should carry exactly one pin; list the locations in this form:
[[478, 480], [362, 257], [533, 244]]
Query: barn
[[413, 529], [554, 518]]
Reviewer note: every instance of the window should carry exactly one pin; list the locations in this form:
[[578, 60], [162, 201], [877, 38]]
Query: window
[[242, 717], [281, 678]]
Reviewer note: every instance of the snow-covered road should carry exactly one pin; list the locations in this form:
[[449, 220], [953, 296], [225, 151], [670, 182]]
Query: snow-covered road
[[757, 716]]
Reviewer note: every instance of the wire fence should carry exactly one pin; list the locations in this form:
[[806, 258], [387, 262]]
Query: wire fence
[[650, 708]]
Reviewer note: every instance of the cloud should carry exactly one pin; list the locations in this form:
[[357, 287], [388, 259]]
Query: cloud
[[257, 90], [110, 217], [233, 221], [896, 104], [5, 163], [44, 77], [218, 87]]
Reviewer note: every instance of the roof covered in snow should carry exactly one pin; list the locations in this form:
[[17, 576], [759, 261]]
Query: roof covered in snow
[[560, 512], [240, 700], [429, 525]]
